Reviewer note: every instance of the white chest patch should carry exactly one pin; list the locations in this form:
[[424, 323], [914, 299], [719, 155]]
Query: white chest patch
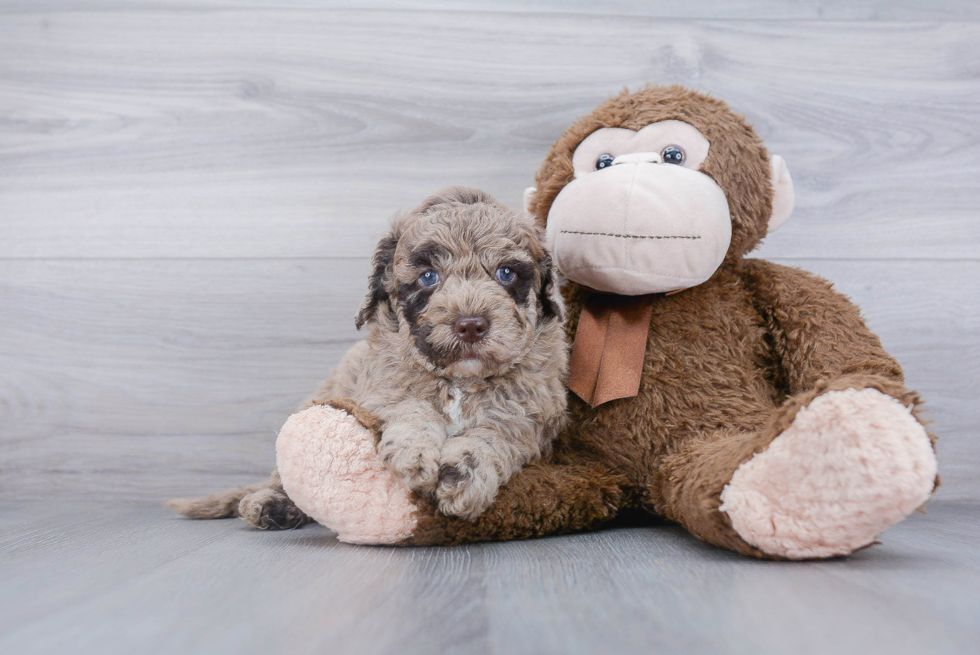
[[454, 410]]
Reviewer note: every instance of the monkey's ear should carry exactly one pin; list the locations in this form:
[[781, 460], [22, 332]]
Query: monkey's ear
[[382, 271], [552, 305], [528, 196], [783, 196]]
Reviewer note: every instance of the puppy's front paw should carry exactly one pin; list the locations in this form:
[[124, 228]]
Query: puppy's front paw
[[468, 481], [411, 455]]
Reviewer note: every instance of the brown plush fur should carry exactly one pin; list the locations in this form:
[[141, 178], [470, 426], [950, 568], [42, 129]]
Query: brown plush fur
[[729, 363], [456, 417]]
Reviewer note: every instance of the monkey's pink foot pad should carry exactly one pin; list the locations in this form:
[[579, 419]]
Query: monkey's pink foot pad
[[330, 468], [852, 464]]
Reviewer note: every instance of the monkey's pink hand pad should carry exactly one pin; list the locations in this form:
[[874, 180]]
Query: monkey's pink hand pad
[[330, 468], [852, 464]]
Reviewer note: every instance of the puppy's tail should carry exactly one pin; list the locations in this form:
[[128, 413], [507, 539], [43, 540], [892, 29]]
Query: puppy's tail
[[221, 505]]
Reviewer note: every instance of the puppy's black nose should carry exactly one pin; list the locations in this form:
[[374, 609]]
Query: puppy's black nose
[[470, 329]]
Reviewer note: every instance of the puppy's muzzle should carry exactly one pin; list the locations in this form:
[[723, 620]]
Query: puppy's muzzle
[[471, 329]]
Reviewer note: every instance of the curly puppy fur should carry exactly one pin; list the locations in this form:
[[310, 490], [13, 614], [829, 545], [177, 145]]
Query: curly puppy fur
[[457, 414]]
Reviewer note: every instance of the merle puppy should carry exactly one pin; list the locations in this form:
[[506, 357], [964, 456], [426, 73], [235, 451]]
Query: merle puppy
[[464, 363]]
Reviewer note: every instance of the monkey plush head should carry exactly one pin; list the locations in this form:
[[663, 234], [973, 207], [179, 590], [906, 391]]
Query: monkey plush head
[[654, 190], [649, 194]]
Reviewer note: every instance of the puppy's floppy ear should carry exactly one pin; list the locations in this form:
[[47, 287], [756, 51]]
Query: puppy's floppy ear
[[549, 296], [382, 271]]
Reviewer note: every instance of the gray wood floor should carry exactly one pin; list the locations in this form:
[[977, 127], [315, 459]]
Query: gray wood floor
[[129, 578], [189, 192]]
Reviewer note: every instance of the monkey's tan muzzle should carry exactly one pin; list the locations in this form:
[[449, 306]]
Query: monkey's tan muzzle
[[640, 227]]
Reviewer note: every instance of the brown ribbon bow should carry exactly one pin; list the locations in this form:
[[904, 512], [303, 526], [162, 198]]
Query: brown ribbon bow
[[609, 348]]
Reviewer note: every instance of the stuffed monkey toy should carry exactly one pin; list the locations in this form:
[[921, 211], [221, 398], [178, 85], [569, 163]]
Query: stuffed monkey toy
[[745, 400]]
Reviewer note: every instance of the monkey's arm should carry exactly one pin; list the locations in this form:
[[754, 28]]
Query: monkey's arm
[[332, 469], [818, 334], [541, 499]]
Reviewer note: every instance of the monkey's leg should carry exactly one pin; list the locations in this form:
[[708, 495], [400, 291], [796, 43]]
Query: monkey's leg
[[330, 466], [835, 467], [263, 505]]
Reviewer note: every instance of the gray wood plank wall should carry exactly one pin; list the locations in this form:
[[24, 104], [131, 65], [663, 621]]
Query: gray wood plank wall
[[189, 192]]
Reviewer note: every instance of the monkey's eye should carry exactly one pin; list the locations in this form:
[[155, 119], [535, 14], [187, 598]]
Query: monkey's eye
[[604, 161], [429, 279], [505, 275], [673, 155]]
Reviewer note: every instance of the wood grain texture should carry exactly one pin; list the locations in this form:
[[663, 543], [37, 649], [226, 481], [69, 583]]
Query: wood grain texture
[[121, 373], [156, 378], [85, 577], [248, 132], [197, 216], [890, 10]]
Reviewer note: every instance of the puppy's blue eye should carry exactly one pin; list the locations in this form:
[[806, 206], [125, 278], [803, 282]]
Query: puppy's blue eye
[[429, 278], [505, 275]]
